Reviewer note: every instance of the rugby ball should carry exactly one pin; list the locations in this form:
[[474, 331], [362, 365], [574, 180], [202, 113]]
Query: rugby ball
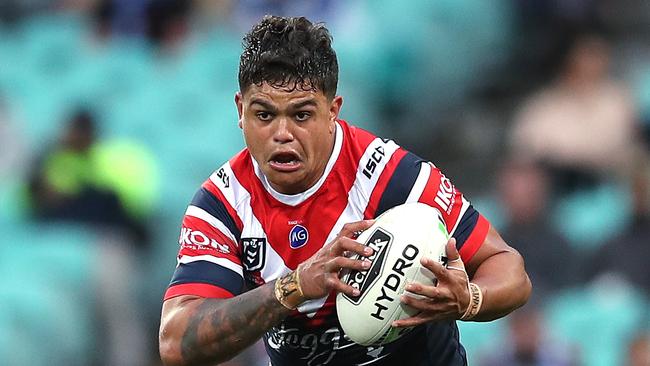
[[399, 237]]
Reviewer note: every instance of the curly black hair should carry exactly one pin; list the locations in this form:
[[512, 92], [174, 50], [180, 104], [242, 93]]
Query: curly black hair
[[290, 53]]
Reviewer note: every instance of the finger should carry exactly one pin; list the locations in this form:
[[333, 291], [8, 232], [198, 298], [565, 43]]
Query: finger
[[438, 270], [337, 285], [428, 308], [419, 303], [347, 244], [339, 263], [412, 321], [422, 318], [432, 292], [452, 252], [351, 228]]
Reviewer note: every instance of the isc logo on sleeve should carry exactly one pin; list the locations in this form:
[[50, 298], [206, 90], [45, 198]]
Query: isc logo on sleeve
[[374, 159]]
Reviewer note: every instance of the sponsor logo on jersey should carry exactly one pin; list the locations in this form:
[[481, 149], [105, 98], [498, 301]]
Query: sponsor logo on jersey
[[374, 159], [445, 195], [321, 346], [195, 239], [298, 236], [318, 347], [224, 177], [254, 250], [379, 241]]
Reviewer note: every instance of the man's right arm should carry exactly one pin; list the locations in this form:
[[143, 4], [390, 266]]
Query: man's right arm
[[204, 331]]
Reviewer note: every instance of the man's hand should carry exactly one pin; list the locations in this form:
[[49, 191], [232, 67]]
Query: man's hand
[[319, 275], [446, 301]]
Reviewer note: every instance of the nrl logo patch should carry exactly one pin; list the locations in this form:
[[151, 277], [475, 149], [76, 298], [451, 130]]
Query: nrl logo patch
[[254, 253]]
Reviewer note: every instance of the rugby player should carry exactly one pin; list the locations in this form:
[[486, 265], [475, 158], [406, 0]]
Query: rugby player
[[265, 237]]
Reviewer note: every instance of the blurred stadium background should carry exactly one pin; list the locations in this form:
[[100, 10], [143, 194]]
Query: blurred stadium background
[[113, 112]]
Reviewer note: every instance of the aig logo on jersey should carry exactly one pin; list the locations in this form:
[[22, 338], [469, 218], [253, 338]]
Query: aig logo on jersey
[[298, 236], [254, 253]]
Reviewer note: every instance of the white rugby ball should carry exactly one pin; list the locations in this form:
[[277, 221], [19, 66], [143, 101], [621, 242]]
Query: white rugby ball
[[399, 237]]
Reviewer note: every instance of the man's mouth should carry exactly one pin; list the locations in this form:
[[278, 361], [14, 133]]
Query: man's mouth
[[285, 162]]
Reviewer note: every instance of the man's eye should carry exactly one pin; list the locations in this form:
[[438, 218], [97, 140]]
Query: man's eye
[[302, 116], [264, 116]]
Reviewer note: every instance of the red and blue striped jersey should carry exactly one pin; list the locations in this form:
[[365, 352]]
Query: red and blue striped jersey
[[239, 233]]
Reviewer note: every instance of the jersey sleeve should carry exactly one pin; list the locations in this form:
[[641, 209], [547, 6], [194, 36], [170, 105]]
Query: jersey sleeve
[[209, 263], [463, 222], [409, 178]]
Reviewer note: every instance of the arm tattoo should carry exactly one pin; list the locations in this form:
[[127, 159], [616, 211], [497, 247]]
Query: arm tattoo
[[220, 328]]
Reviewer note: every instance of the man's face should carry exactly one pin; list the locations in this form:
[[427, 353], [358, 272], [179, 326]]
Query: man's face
[[289, 134]]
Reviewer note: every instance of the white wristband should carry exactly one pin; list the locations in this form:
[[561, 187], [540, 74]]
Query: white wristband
[[475, 301]]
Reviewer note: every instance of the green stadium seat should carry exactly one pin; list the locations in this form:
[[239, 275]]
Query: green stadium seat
[[591, 217], [56, 255], [13, 204], [479, 337], [46, 294], [42, 326], [600, 318]]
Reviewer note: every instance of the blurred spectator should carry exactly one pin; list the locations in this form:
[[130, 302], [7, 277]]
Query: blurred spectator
[[524, 191], [65, 184], [528, 344], [247, 12], [14, 10], [88, 181], [102, 16], [62, 182], [122, 17], [621, 255], [583, 124], [638, 353], [210, 14], [168, 23]]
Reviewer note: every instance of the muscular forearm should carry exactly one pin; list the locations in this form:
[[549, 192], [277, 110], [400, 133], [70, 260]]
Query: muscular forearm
[[504, 283], [198, 331]]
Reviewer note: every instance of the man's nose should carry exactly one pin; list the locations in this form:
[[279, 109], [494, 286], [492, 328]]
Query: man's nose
[[282, 133]]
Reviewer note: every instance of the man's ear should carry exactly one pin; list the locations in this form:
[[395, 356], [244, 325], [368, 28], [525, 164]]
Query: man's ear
[[335, 108], [240, 108]]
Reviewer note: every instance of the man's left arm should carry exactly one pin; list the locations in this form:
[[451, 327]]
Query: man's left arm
[[499, 272], [496, 270]]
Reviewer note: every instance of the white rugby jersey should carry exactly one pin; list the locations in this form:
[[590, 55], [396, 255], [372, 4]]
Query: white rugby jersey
[[239, 233]]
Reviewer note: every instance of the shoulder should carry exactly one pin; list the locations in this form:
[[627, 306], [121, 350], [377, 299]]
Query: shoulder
[[355, 138], [224, 184], [365, 145]]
